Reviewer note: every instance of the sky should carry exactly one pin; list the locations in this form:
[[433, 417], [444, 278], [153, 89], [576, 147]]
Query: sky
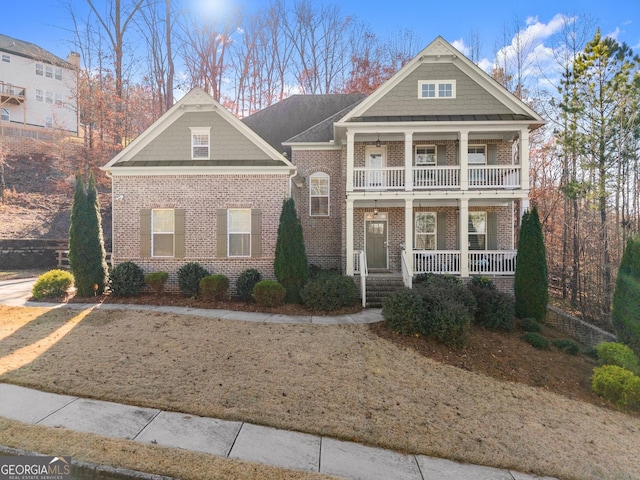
[[47, 23]]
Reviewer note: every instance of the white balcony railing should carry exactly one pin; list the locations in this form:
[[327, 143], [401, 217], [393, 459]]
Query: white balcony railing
[[499, 262], [436, 261], [433, 178]]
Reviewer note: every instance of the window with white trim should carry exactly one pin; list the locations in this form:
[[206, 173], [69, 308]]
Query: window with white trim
[[39, 95], [425, 154], [48, 71], [58, 73], [6, 58], [239, 232], [319, 195], [425, 231], [200, 138], [477, 230], [49, 97], [477, 154], [162, 232], [39, 69], [48, 121], [5, 115], [436, 89]]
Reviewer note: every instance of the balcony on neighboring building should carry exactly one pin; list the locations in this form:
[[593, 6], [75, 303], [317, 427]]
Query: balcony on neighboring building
[[12, 94]]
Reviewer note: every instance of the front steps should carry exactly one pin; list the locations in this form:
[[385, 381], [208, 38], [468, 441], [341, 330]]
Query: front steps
[[379, 286]]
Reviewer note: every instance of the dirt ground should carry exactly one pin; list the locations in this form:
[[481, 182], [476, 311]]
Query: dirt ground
[[355, 382]]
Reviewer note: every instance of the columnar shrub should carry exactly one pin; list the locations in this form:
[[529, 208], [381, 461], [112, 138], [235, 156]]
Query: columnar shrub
[[126, 280], [495, 308], [614, 353], [290, 266], [625, 315], [53, 283], [617, 385], [245, 283], [214, 287], [189, 276], [156, 280], [329, 292], [269, 293], [402, 311]]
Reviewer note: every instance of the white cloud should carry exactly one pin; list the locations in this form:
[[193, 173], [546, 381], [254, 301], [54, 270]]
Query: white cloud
[[460, 46]]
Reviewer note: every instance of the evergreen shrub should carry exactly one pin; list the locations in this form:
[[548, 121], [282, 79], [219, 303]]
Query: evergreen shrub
[[530, 325], [537, 341], [126, 280], [625, 315], [157, 281], [329, 292], [214, 287], [189, 276], [495, 308], [614, 353], [617, 385], [567, 345], [53, 283], [290, 265], [402, 311], [269, 293], [245, 283]]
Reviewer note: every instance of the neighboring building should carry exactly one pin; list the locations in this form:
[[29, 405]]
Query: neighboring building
[[427, 174], [37, 90]]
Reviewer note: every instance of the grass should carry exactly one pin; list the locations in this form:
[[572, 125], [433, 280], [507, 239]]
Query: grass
[[344, 381]]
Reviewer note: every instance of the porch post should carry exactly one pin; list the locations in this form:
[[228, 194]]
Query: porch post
[[349, 237], [524, 206], [350, 162], [408, 234], [463, 156], [524, 159], [463, 229], [408, 161]]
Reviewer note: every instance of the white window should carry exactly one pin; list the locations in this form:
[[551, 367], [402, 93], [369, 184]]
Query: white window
[[39, 69], [319, 195], [200, 138], [6, 58], [49, 97], [437, 89], [425, 231], [48, 121], [239, 232], [58, 99], [477, 154], [477, 230], [48, 71], [58, 73], [39, 95], [162, 232], [425, 154], [5, 115]]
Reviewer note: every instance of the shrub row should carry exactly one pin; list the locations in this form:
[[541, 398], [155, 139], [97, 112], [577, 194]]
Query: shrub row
[[617, 380]]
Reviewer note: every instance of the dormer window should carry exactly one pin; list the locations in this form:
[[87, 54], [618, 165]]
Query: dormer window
[[200, 137], [428, 89]]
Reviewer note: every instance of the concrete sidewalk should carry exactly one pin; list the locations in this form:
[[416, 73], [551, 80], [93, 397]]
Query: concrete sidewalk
[[235, 440]]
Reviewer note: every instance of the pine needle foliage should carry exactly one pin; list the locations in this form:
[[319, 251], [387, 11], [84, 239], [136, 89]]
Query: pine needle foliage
[[625, 316], [290, 266]]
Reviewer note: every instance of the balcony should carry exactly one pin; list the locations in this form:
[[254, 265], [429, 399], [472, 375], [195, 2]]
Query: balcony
[[436, 178], [12, 94]]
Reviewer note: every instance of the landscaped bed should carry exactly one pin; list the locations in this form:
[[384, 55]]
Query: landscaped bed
[[352, 382]]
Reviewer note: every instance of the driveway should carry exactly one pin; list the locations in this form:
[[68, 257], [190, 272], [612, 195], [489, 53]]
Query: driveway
[[16, 292]]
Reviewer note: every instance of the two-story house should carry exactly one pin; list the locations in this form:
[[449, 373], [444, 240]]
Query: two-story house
[[37, 89], [427, 174]]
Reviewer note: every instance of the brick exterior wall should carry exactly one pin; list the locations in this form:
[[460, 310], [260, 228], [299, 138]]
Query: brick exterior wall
[[200, 196]]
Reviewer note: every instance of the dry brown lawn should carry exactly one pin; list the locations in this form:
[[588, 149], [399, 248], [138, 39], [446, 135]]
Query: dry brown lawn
[[350, 382]]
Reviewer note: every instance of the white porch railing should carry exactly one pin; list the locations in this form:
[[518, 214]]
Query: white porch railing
[[436, 261], [494, 176], [388, 178], [436, 177], [499, 262]]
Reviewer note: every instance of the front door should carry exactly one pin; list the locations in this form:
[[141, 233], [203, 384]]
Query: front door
[[376, 240]]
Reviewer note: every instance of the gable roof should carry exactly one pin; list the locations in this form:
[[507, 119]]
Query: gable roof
[[439, 50], [196, 100], [32, 51], [296, 114]]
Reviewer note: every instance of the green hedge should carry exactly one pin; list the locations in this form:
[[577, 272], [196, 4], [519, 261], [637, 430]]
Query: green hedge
[[53, 283], [214, 287], [245, 283], [402, 311], [189, 276], [329, 292], [617, 385], [126, 280], [156, 280], [269, 293], [614, 353]]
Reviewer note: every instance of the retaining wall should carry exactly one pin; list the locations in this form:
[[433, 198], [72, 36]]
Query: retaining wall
[[577, 328]]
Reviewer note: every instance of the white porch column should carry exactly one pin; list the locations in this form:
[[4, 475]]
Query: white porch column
[[408, 161], [350, 162], [463, 155], [524, 206], [524, 159], [463, 229], [408, 234], [349, 237]]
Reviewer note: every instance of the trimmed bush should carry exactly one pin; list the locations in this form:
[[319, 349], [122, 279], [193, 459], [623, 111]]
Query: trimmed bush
[[53, 283], [245, 283], [567, 345], [269, 293], [530, 325], [156, 280], [329, 292], [214, 287], [617, 385], [614, 353], [126, 280], [495, 308], [402, 311], [537, 341], [189, 276], [481, 281]]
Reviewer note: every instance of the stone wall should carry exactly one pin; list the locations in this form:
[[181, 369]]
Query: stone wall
[[577, 328], [26, 254]]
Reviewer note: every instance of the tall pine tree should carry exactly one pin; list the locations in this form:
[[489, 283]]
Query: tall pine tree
[[290, 266], [625, 316], [87, 256], [531, 286]]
